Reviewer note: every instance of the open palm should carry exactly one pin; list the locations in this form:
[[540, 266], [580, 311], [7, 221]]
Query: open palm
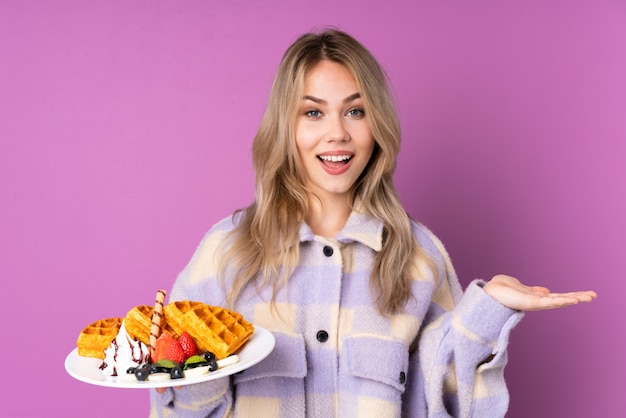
[[515, 295]]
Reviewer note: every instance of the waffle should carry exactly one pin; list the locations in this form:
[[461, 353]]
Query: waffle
[[213, 328], [96, 337], [138, 322]]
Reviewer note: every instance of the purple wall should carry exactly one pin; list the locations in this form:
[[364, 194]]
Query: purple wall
[[125, 131]]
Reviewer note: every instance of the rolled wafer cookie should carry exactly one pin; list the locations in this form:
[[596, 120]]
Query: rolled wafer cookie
[[155, 328]]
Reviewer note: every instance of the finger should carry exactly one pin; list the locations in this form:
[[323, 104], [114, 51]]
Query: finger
[[586, 296], [561, 300], [554, 302], [540, 289], [162, 390], [590, 293]]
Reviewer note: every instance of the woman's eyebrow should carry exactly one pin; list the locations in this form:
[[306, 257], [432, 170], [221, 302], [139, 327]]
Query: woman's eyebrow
[[348, 99], [352, 97]]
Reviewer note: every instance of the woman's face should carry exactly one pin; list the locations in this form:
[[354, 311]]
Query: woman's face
[[333, 135]]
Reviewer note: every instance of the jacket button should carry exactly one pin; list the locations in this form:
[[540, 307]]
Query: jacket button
[[328, 250], [402, 378], [322, 336]]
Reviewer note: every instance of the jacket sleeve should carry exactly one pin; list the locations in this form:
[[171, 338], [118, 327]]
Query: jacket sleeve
[[212, 399], [197, 282], [461, 351]]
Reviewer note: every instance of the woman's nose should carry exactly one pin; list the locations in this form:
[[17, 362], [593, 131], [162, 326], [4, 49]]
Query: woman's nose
[[337, 130]]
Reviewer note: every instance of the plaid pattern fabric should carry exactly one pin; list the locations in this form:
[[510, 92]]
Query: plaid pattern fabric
[[336, 355]]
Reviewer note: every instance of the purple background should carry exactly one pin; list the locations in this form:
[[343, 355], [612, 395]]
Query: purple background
[[125, 133]]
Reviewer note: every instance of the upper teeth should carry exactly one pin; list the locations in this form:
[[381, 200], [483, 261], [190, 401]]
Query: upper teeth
[[335, 158]]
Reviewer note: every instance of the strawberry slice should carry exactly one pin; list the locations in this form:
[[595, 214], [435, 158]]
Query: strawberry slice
[[166, 347], [188, 344]]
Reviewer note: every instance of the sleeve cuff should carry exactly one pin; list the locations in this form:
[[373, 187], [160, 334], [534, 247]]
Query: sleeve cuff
[[211, 393], [485, 317]]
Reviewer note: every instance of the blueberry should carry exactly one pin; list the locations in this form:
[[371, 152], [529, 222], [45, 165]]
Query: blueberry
[[213, 365], [208, 356], [177, 372], [142, 373]]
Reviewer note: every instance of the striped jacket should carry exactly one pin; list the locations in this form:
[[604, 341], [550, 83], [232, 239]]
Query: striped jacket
[[336, 356]]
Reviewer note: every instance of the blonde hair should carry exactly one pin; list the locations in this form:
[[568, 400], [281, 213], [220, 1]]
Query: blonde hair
[[263, 248]]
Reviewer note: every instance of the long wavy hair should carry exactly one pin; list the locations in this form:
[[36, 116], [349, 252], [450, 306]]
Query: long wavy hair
[[263, 248]]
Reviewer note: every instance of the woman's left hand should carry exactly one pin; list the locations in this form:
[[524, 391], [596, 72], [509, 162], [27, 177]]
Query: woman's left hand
[[515, 295]]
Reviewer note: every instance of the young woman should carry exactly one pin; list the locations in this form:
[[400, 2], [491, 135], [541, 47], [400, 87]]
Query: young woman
[[368, 314]]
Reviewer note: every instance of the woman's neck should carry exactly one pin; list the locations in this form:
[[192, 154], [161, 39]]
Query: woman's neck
[[328, 217]]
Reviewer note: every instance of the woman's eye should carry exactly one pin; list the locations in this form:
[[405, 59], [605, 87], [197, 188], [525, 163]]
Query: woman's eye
[[356, 112], [313, 113]]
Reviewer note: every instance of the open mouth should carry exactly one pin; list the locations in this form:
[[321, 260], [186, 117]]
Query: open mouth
[[335, 159]]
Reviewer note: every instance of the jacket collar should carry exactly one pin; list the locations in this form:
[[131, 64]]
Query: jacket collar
[[361, 228]]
